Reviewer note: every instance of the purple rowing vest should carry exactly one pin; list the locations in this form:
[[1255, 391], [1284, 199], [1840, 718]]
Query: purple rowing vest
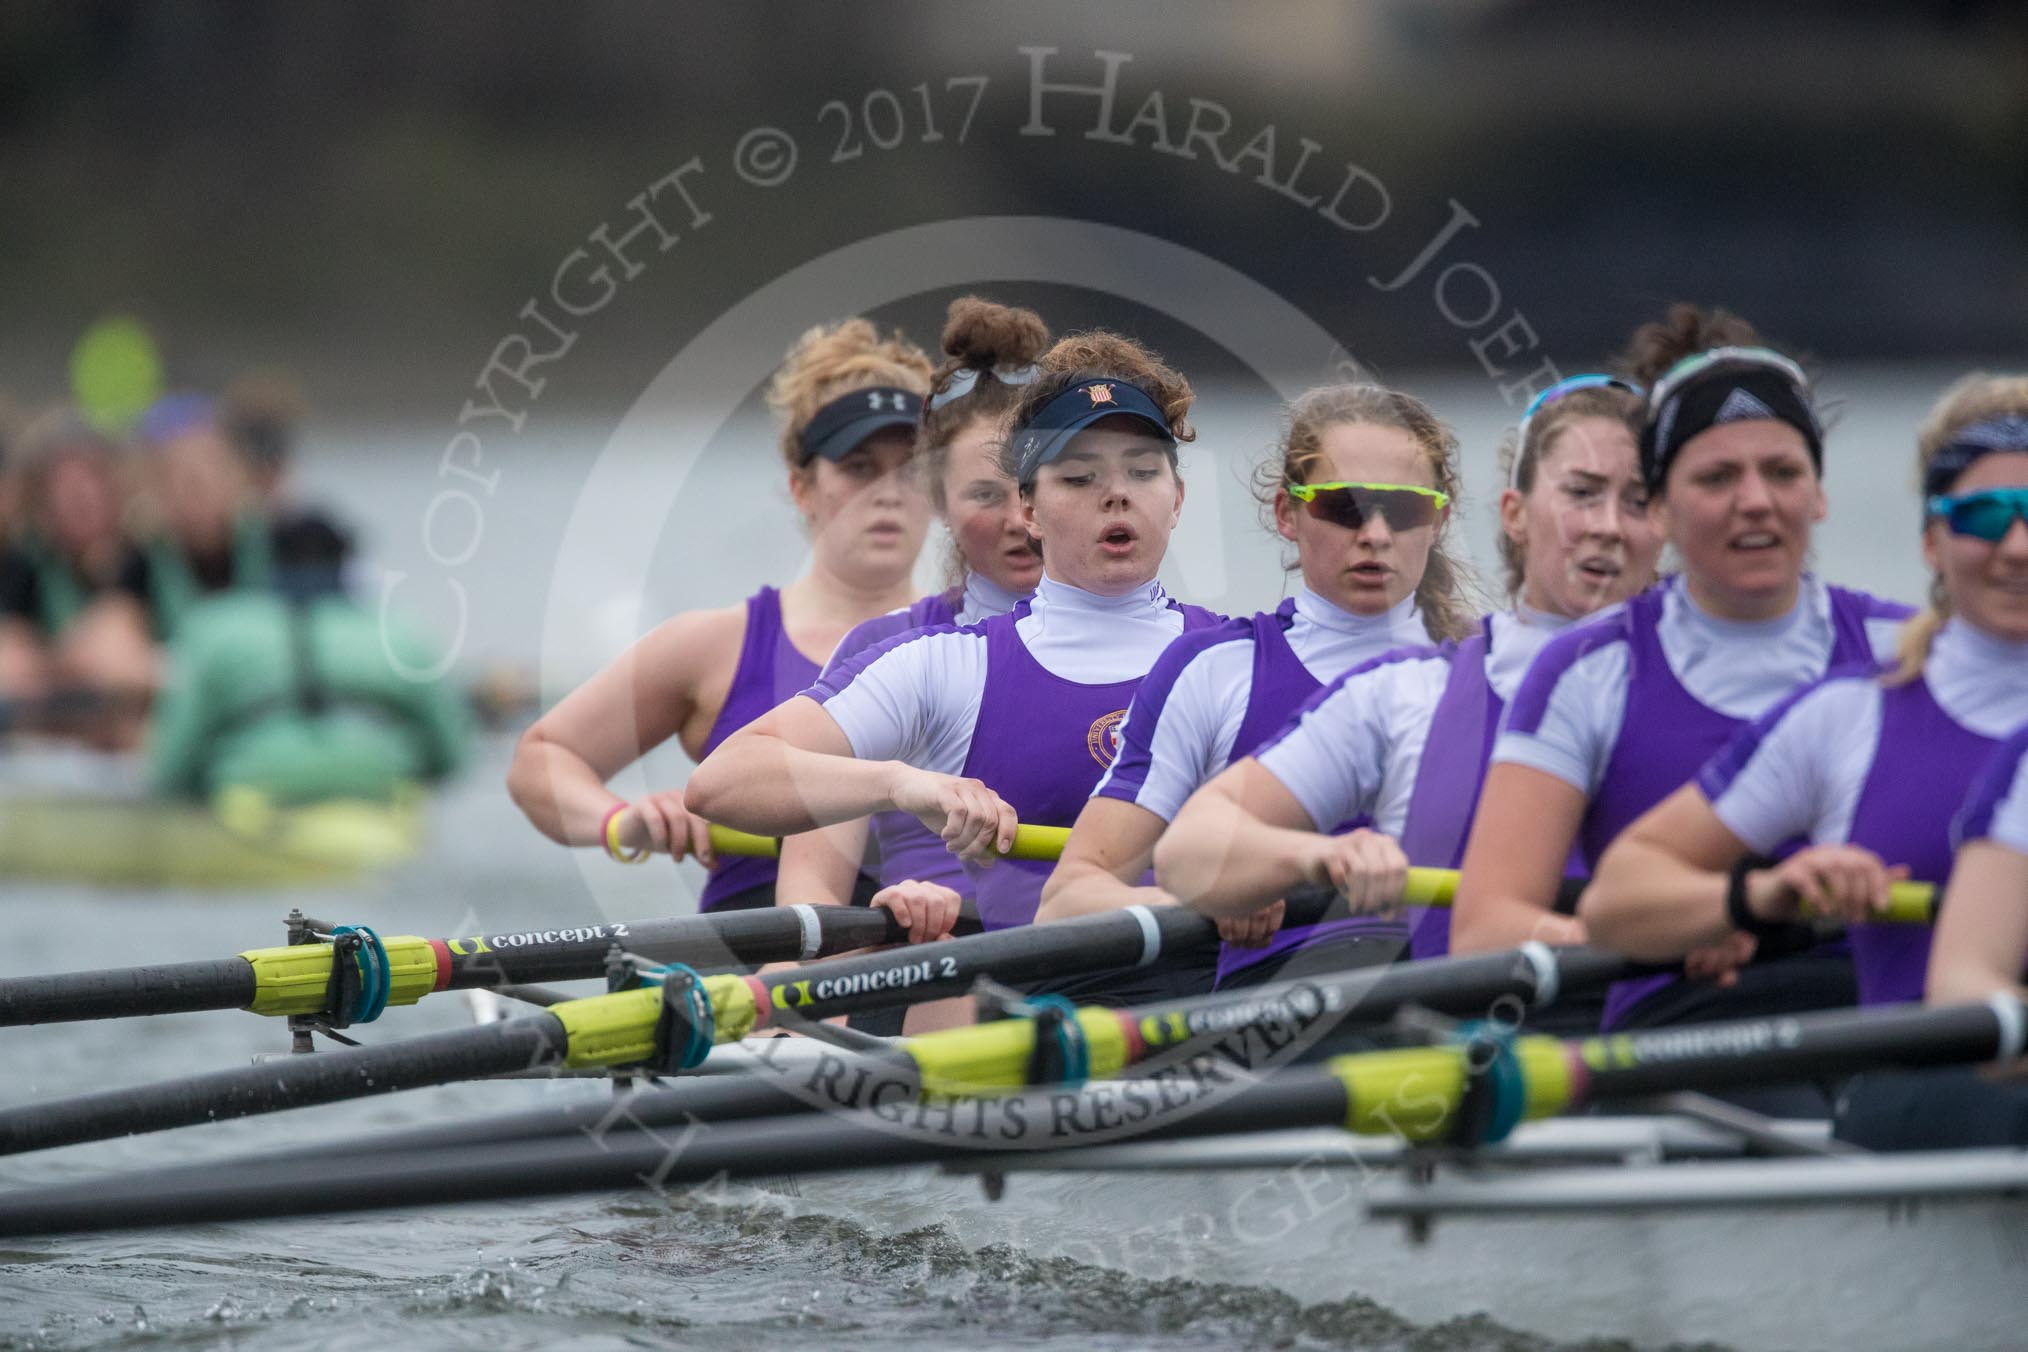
[[1041, 742], [906, 848], [1902, 818], [1668, 734], [770, 670], [1462, 730], [1280, 683], [1447, 783]]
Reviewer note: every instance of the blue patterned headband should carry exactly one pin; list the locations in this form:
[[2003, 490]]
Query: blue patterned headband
[[1981, 439]]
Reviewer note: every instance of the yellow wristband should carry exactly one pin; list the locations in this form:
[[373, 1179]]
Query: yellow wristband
[[611, 834]]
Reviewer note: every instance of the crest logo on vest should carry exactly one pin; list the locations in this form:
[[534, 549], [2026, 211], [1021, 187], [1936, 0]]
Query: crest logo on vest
[[1103, 738]]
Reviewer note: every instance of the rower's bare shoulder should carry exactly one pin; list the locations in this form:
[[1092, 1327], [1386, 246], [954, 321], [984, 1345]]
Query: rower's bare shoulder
[[697, 647]]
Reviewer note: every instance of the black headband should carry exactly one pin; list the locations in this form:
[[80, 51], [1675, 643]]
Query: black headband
[[1725, 385], [836, 430]]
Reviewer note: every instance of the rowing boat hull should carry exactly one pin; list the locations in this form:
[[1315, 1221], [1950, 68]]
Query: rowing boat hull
[[112, 841], [1928, 1270]]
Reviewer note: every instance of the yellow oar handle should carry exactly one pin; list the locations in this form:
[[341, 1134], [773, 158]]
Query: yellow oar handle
[[1908, 903], [1030, 842]]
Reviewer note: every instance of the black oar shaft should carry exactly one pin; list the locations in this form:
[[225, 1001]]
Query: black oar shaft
[[736, 939], [325, 1077], [1093, 943], [707, 942], [583, 1162], [1828, 1045], [174, 988]]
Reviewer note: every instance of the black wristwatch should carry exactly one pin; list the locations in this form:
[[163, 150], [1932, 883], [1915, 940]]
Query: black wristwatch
[[1738, 913]]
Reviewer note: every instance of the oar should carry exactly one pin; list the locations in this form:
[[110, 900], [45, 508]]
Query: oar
[[640, 1027], [294, 979], [1423, 1094], [1909, 903], [1035, 843], [999, 1057]]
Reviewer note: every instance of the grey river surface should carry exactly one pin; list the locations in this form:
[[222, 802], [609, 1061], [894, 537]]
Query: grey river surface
[[555, 567]]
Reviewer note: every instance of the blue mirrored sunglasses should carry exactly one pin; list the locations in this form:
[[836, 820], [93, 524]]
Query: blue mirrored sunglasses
[[1986, 515]]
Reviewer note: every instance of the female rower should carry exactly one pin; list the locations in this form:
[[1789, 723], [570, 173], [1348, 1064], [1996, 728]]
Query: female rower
[[973, 730], [1980, 954], [1362, 486], [849, 400], [1403, 740], [1981, 944], [990, 353], [1851, 763], [1612, 717]]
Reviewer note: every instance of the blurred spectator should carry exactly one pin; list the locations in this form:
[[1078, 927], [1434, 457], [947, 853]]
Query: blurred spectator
[[11, 420], [298, 694], [261, 414], [210, 531], [66, 623]]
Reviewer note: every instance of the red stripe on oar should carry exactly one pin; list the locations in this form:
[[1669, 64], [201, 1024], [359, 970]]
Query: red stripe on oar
[[764, 1008], [1580, 1075], [443, 952], [1137, 1045]]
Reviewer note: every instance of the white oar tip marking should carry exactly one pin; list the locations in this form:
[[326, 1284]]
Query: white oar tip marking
[[812, 929], [2013, 1021], [1548, 978], [1151, 934]]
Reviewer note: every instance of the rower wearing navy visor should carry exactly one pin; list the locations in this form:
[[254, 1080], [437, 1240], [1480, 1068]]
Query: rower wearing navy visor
[[849, 400], [973, 730], [1614, 716], [990, 354], [1362, 486], [1403, 739], [1836, 763]]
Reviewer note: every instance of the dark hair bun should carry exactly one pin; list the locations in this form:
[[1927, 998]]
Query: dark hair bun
[[1684, 332], [981, 334]]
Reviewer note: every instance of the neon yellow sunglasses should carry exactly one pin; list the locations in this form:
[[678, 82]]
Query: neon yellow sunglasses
[[1402, 506]]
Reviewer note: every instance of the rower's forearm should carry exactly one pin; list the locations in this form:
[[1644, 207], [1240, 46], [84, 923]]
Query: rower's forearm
[[758, 783], [1083, 887], [1220, 860], [1970, 981], [560, 794], [821, 867], [1644, 902], [1485, 923]]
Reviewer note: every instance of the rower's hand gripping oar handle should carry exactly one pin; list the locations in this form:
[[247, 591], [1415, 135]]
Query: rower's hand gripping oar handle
[[1908, 903], [1042, 844]]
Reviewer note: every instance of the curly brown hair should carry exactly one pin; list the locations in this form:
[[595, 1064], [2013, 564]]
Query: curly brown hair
[[833, 360], [1683, 332], [1446, 593], [1098, 354]]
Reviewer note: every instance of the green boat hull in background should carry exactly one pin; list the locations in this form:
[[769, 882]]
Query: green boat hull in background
[[242, 841]]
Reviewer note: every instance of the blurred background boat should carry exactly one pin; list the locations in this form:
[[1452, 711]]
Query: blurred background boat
[[74, 816]]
